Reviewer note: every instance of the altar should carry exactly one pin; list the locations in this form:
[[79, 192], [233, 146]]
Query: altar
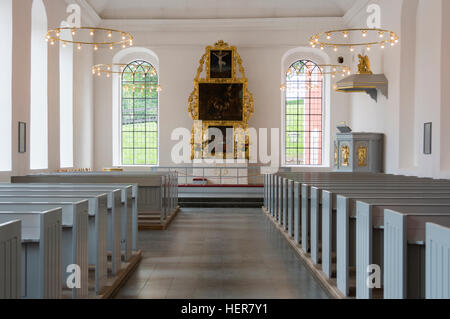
[[220, 105]]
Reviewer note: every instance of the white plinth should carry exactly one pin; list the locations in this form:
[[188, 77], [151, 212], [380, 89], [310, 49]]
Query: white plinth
[[224, 172]]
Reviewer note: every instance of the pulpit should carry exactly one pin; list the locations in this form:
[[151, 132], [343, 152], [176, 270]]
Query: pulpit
[[358, 152]]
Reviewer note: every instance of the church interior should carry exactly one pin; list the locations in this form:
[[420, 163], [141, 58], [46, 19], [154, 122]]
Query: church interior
[[207, 149]]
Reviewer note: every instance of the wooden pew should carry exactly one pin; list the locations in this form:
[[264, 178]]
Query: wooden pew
[[336, 221], [154, 188], [437, 266], [381, 182], [35, 254], [97, 234], [310, 204], [10, 259], [370, 228], [74, 235], [404, 250], [115, 210]]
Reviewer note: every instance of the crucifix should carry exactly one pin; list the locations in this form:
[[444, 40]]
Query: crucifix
[[220, 56]]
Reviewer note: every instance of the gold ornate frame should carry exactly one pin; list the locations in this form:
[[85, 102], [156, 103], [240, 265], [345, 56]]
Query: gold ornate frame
[[200, 128]]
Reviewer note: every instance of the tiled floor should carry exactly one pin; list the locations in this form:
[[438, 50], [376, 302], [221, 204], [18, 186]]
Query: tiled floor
[[219, 253]]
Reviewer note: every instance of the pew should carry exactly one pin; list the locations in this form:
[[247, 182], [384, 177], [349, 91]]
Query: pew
[[10, 259], [115, 209], [384, 185], [154, 188], [128, 207], [35, 254], [370, 232], [437, 239], [97, 229], [337, 226], [404, 249], [74, 235]]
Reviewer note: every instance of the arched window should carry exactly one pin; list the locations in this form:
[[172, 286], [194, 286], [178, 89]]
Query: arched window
[[5, 85], [303, 122], [66, 99], [139, 114], [39, 99]]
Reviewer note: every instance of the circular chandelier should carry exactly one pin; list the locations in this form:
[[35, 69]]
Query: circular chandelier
[[85, 36], [323, 69], [117, 68], [142, 88], [368, 38], [333, 69]]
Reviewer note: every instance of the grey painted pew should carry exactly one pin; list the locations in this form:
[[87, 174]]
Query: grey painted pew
[[404, 250], [128, 208], [74, 235], [151, 185], [369, 233], [35, 254], [10, 259], [115, 210], [97, 235], [330, 219], [437, 261], [346, 226], [312, 217]]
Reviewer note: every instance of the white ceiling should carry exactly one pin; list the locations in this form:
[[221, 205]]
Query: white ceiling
[[219, 9]]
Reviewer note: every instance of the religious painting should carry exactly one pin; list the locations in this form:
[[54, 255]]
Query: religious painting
[[221, 66], [221, 102], [220, 141]]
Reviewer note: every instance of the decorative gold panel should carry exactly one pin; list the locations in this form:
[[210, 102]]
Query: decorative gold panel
[[362, 156], [199, 139], [335, 155], [345, 153]]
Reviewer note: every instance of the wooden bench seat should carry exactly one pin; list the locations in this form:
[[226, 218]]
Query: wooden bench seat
[[35, 255]]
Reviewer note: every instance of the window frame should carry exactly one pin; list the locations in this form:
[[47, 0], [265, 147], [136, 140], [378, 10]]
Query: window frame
[[121, 98], [323, 119]]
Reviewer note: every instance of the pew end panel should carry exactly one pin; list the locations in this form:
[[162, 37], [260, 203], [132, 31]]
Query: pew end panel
[[10, 259], [437, 261]]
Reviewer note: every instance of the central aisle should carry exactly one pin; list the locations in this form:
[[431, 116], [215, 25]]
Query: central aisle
[[219, 253]]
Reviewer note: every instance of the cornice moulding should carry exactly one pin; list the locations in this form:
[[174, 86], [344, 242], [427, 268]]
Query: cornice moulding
[[307, 24]]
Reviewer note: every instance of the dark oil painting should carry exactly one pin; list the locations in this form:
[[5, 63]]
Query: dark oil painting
[[222, 138], [221, 102], [220, 66]]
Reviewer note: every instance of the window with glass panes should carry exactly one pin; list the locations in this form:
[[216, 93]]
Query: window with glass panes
[[303, 114], [139, 118]]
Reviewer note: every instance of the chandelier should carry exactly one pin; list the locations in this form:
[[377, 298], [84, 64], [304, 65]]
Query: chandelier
[[110, 38], [142, 88], [117, 68], [131, 69], [352, 38], [323, 69]]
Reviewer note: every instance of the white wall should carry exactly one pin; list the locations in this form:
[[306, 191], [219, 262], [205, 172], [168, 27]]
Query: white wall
[[179, 47], [417, 94], [83, 90]]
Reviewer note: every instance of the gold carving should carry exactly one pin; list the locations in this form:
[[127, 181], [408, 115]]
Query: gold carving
[[345, 152], [335, 155], [199, 135], [364, 65], [362, 156]]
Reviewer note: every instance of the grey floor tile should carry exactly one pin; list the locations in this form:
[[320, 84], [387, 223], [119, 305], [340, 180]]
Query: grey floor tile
[[219, 253]]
